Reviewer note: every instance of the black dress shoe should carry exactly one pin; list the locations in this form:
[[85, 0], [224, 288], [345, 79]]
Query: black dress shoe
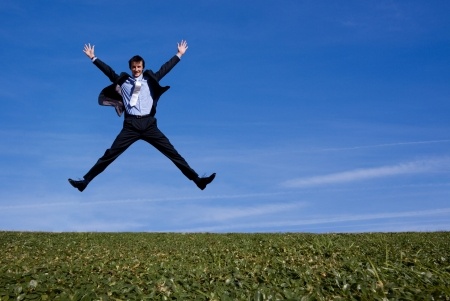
[[202, 182], [80, 184]]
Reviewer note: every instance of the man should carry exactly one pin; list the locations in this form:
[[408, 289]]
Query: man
[[137, 95]]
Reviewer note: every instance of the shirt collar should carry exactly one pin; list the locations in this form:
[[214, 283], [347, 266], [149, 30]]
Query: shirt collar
[[139, 78]]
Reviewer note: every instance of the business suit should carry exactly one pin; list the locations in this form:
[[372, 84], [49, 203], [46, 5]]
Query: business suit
[[137, 127]]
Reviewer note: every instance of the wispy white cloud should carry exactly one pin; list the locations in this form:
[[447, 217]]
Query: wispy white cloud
[[231, 213], [103, 226], [408, 143], [329, 220], [413, 167], [39, 203], [144, 214]]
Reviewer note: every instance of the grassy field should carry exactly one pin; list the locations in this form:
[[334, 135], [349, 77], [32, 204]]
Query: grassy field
[[169, 266]]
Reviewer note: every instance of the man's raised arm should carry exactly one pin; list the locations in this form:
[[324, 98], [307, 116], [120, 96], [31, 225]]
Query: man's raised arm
[[108, 71], [182, 47]]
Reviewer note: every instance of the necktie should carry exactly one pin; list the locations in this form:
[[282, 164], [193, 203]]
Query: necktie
[[134, 97]]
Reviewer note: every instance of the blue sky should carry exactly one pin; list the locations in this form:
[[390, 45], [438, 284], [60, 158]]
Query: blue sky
[[317, 116]]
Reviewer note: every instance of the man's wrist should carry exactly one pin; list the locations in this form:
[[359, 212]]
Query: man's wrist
[[93, 58], [179, 54]]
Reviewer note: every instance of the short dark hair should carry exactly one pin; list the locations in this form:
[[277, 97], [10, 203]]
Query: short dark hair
[[136, 58]]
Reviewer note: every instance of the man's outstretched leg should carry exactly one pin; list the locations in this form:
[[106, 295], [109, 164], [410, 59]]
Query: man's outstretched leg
[[125, 138], [157, 139]]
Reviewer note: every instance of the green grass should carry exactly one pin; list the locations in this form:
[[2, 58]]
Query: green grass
[[169, 266]]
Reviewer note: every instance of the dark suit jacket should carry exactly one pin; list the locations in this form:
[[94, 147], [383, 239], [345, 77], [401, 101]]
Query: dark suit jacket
[[110, 95]]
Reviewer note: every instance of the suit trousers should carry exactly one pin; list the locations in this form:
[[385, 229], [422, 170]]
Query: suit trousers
[[135, 129]]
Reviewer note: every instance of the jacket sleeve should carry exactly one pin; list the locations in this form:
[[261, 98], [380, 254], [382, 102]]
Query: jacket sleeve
[[166, 67], [108, 71]]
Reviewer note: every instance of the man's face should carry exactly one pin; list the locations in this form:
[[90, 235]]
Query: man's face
[[136, 68]]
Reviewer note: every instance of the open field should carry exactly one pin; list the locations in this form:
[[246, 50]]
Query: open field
[[170, 266]]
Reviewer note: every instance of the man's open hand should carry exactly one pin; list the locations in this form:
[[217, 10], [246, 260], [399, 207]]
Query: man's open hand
[[89, 50], [182, 47]]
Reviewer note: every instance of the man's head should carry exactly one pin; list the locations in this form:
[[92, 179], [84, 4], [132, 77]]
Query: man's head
[[137, 65]]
